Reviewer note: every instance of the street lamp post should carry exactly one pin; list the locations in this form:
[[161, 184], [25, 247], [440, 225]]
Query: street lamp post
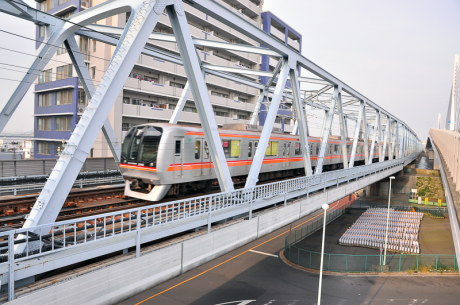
[[388, 219], [325, 207]]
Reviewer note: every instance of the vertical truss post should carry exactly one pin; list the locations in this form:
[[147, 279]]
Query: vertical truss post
[[343, 125], [200, 93], [268, 127], [385, 139], [365, 135], [399, 133], [393, 141], [301, 119], [326, 131], [88, 86], [180, 104], [374, 135], [379, 136], [56, 189], [255, 113], [356, 135]]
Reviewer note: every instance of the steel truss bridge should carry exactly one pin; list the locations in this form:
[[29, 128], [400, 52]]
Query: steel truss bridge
[[42, 237]]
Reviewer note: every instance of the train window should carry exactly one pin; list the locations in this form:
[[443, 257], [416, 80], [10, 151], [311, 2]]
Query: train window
[[272, 149], [127, 143], [148, 150], [255, 147], [288, 152], [135, 144], [206, 150], [336, 149], [197, 149], [284, 149], [317, 149], [348, 148], [298, 149], [231, 148], [357, 149], [250, 150], [177, 147], [311, 148]]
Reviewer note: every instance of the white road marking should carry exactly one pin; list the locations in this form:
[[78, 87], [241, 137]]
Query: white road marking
[[268, 254]]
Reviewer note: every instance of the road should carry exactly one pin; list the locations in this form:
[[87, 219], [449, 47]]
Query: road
[[255, 275]]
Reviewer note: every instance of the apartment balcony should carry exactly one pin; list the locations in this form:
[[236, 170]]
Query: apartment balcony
[[253, 9], [165, 115], [277, 33], [224, 83]]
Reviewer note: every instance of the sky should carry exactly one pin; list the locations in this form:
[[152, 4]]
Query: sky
[[399, 54]]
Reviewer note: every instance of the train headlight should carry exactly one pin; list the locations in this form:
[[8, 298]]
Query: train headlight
[[151, 164]]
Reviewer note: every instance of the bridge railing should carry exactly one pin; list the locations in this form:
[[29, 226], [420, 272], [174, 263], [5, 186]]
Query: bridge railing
[[448, 144], [59, 236], [25, 248]]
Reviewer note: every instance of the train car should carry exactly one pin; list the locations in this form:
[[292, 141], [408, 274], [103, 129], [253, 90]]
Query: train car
[[160, 159]]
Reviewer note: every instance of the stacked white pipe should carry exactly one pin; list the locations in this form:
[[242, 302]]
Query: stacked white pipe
[[369, 231]]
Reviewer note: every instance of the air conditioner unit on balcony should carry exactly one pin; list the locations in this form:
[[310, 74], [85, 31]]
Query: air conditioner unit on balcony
[[84, 5]]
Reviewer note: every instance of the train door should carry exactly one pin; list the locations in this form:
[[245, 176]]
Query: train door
[[251, 152], [287, 154], [198, 161], [178, 160], [207, 162]]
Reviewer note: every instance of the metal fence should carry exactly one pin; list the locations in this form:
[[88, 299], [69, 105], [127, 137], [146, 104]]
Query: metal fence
[[34, 167], [128, 224], [424, 263]]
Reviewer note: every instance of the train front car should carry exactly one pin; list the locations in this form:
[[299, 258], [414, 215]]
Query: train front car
[[143, 148]]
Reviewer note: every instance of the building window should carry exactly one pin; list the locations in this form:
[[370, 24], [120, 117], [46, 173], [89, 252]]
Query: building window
[[83, 44], [125, 126], [64, 97], [67, 15], [81, 97], [46, 5], [190, 109], [58, 148], [219, 94], [171, 107], [272, 149], [136, 101], [221, 113], [45, 76], [61, 2], [93, 72], [61, 49], [64, 72], [43, 148], [242, 117], [44, 124], [44, 100], [177, 85], [126, 100], [94, 45], [63, 124], [41, 31], [243, 100]]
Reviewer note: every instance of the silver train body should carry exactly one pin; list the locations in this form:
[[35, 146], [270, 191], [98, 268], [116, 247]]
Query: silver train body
[[160, 159]]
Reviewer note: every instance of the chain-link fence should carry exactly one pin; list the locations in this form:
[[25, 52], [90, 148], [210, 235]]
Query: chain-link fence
[[423, 263]]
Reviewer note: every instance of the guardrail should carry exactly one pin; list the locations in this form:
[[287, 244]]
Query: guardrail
[[454, 225], [24, 185], [127, 225]]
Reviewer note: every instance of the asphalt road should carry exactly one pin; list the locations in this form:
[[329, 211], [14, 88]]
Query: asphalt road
[[255, 275]]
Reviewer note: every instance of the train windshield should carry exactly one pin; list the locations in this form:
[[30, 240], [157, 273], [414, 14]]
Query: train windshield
[[141, 144]]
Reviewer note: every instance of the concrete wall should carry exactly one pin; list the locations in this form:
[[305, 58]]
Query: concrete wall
[[120, 281]]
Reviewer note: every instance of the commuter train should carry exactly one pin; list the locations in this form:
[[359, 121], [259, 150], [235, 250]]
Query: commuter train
[[160, 159]]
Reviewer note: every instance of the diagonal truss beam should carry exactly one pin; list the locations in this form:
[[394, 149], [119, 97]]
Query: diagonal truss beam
[[200, 94], [268, 127], [90, 89], [180, 104], [301, 120], [356, 134], [342, 123], [56, 189], [325, 132]]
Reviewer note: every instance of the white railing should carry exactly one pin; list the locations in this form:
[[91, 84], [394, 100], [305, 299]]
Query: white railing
[[29, 243]]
